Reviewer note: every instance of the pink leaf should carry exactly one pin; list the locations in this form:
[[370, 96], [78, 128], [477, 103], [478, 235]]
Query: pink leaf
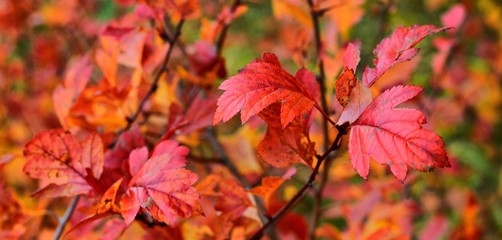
[[397, 48], [435, 229], [395, 136], [454, 17], [351, 56], [161, 185], [76, 78]]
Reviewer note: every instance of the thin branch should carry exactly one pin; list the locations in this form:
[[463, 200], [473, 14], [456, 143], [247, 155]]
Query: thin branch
[[199, 159], [211, 133], [66, 217], [300, 194], [223, 35], [218, 148], [153, 88], [315, 15]]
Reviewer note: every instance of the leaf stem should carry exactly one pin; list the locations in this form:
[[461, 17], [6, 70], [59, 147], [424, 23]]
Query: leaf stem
[[66, 217], [212, 135], [300, 194]]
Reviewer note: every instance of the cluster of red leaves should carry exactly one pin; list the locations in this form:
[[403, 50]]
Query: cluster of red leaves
[[119, 176]]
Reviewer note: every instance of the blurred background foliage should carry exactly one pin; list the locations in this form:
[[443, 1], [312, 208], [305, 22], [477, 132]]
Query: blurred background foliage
[[460, 69]]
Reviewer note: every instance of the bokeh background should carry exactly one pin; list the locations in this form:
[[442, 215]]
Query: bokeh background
[[461, 70]]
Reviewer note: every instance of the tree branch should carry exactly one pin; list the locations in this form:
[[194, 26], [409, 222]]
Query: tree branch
[[66, 217], [223, 35], [321, 78], [153, 88], [300, 194]]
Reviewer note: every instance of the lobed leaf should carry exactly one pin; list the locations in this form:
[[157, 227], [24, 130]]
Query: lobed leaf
[[395, 136], [161, 185], [399, 47], [65, 167], [262, 83]]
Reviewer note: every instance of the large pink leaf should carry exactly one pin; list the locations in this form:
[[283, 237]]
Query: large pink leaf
[[161, 185], [65, 167], [397, 48], [262, 83], [395, 136]]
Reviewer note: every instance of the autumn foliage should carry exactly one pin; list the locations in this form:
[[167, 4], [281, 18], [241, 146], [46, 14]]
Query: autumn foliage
[[282, 119]]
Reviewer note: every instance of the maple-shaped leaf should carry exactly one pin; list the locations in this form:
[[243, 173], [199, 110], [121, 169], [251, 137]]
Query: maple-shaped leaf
[[397, 48], [126, 143], [161, 185], [262, 83], [395, 136], [282, 147], [65, 166], [270, 184], [233, 199]]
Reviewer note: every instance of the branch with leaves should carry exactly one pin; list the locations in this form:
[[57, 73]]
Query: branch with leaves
[[152, 181]]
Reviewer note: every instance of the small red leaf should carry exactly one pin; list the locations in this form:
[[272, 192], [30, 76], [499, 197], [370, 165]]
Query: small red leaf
[[344, 85], [262, 83], [108, 202], [282, 147], [270, 184], [161, 186], [395, 136], [397, 48]]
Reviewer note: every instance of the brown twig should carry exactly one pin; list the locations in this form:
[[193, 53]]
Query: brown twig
[[153, 88], [66, 217], [299, 195], [315, 15]]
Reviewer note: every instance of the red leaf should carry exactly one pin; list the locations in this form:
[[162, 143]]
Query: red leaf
[[262, 83], [397, 48], [233, 199], [270, 184], [108, 202], [347, 79], [160, 185], [126, 142], [344, 85], [395, 136], [116, 32], [76, 78], [282, 147], [62, 163]]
